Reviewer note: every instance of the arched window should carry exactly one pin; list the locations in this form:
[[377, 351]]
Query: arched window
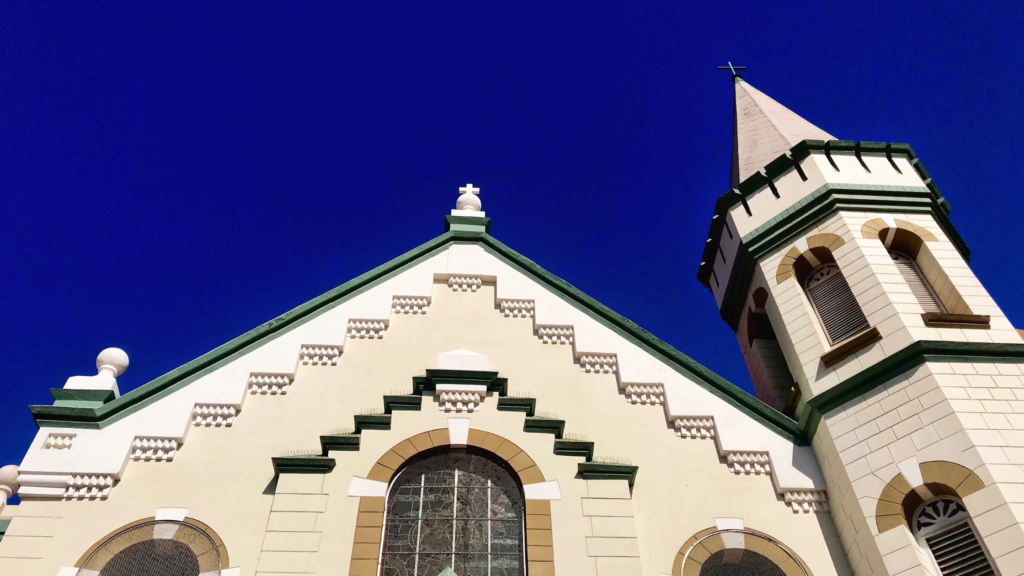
[[943, 526], [455, 509], [156, 548], [736, 552], [919, 285], [834, 302]]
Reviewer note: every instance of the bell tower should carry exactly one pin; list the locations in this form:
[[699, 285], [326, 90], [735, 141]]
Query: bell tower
[[852, 299]]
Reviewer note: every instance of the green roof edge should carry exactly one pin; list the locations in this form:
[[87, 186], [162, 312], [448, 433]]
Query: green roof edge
[[102, 416]]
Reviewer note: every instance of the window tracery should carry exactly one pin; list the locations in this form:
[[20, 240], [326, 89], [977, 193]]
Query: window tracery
[[457, 510]]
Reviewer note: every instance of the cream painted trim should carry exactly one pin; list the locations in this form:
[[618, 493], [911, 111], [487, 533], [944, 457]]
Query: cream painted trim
[[543, 491], [458, 431], [72, 571], [176, 514], [362, 487], [235, 571]]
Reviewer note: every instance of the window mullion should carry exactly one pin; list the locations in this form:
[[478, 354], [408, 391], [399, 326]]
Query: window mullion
[[455, 515], [419, 527], [488, 527]]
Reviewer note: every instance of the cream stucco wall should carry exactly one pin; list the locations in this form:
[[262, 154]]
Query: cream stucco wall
[[223, 475]]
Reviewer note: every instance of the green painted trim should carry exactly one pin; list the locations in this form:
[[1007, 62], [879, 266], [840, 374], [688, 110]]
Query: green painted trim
[[816, 206], [372, 422], [575, 448], [525, 405], [402, 403], [103, 416], [428, 383], [602, 471], [467, 224], [86, 398], [133, 401], [4, 524], [901, 362], [681, 363], [302, 465], [340, 443], [544, 426], [790, 160]]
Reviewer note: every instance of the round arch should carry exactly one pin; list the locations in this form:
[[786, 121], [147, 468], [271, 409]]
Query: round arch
[[873, 230], [372, 509], [225, 561], [899, 500], [796, 264], [704, 545], [519, 460]]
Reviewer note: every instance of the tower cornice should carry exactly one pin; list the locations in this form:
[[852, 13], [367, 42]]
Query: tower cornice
[[828, 197]]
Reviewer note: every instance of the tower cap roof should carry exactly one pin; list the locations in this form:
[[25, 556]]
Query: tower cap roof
[[763, 130]]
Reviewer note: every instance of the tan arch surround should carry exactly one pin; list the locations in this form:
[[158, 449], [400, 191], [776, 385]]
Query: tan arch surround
[[370, 520], [709, 546], [871, 229], [789, 265], [899, 500], [225, 562]]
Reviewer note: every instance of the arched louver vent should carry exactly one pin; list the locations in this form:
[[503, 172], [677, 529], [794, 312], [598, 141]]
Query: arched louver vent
[[160, 548], [919, 286], [944, 527], [835, 304]]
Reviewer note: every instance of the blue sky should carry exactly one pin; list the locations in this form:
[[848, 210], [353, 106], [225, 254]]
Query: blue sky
[[172, 176]]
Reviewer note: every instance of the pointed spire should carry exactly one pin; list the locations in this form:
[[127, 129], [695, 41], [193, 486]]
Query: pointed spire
[[762, 130]]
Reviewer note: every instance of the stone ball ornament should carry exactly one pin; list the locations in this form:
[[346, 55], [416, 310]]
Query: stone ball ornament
[[9, 481], [112, 360]]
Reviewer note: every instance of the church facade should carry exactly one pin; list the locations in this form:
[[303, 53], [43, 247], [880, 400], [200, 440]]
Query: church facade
[[461, 411]]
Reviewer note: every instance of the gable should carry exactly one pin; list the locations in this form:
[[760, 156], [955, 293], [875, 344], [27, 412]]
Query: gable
[[154, 419]]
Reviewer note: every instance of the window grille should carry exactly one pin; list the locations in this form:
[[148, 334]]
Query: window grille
[[159, 548], [943, 525], [832, 299], [456, 510], [919, 285]]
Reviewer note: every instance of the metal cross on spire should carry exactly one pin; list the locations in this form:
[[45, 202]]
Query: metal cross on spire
[[733, 69]]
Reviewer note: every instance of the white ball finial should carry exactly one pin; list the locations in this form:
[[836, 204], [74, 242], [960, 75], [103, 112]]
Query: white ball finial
[[468, 199], [8, 482], [112, 361]]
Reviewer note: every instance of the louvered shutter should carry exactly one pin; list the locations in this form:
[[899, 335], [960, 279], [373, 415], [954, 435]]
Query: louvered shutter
[[958, 553], [918, 284], [835, 304]]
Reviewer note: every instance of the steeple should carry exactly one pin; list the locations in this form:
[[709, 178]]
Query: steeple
[[762, 130]]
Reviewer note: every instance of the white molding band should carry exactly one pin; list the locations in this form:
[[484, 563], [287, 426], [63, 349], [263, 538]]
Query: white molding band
[[459, 397], [150, 449], [653, 394], [319, 355], [367, 329], [214, 415]]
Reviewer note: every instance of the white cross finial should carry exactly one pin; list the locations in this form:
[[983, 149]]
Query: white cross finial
[[469, 201]]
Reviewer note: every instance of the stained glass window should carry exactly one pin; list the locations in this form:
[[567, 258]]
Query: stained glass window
[[458, 510]]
